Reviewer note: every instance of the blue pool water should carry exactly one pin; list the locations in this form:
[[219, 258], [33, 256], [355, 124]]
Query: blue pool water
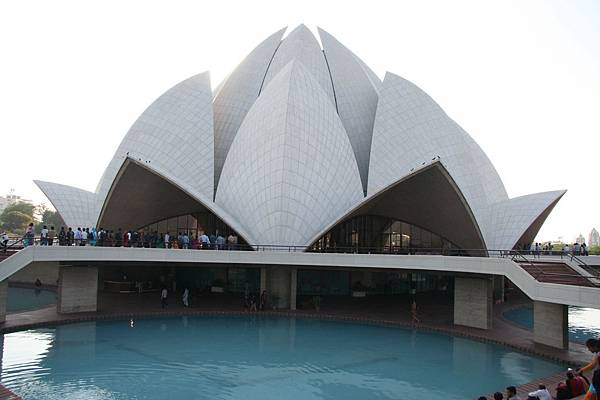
[[584, 323], [24, 299], [255, 358]]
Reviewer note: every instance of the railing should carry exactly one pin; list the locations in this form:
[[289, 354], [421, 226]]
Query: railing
[[515, 255], [586, 267]]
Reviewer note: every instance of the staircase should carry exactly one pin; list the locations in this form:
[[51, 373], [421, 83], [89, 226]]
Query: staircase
[[555, 272]]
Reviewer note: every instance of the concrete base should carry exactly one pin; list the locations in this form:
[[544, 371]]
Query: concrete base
[[498, 289], [551, 324], [77, 289], [281, 284], [473, 302], [3, 299]]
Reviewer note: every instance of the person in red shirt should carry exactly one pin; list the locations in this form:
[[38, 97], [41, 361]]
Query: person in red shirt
[[576, 384]]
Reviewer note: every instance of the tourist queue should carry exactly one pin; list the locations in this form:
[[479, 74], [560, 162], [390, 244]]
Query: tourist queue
[[130, 238]]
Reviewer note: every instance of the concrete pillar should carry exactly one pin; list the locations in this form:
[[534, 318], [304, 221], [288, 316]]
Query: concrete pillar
[[281, 283], [551, 324], [77, 289], [473, 302], [498, 288], [279, 286], [3, 299], [263, 279], [293, 288]]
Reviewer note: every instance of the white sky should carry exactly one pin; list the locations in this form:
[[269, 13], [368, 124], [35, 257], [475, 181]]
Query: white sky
[[522, 77]]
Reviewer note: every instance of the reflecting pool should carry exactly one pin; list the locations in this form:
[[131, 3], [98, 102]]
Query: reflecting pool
[[584, 323], [25, 299], [255, 358]]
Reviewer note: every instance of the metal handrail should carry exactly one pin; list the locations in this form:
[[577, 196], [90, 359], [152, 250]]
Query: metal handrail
[[515, 255], [584, 265]]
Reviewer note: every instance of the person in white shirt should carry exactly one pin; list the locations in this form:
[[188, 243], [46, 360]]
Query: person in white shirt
[[542, 393], [167, 239], [163, 297], [44, 236], [185, 297], [84, 237], [205, 241]]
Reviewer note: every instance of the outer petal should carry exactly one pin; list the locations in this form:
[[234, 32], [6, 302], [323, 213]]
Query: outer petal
[[142, 194], [411, 129], [77, 207], [174, 135], [291, 169], [301, 45], [237, 94], [356, 98], [427, 197], [518, 220]]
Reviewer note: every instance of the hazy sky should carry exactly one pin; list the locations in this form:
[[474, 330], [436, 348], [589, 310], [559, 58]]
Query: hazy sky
[[522, 77]]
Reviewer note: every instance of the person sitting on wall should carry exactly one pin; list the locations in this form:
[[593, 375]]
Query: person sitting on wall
[[511, 393], [576, 384], [38, 283], [541, 394]]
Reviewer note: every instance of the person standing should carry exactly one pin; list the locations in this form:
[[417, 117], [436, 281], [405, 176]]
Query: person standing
[[29, 235], [84, 237], [78, 237], [62, 236], [185, 297], [44, 236], [51, 236], [414, 312], [163, 297], [4, 240], [593, 346], [205, 241], [185, 241], [167, 239], [70, 237]]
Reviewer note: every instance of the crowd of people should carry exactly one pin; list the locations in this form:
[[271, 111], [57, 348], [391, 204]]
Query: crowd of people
[[576, 249], [130, 238], [575, 384]]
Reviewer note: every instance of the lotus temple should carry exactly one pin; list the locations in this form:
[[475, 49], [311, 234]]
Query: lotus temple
[[336, 196]]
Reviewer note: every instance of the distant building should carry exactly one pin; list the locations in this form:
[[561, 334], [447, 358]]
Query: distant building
[[580, 239], [594, 238], [11, 198]]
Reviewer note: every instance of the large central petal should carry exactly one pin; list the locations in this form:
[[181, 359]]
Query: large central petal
[[291, 170]]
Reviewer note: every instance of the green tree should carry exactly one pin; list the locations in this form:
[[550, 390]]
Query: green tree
[[15, 222], [49, 218], [594, 250], [15, 217]]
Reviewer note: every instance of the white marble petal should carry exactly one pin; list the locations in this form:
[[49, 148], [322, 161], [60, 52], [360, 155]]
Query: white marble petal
[[505, 222], [174, 135], [411, 129], [291, 169], [237, 94], [356, 98], [77, 207], [301, 45]]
